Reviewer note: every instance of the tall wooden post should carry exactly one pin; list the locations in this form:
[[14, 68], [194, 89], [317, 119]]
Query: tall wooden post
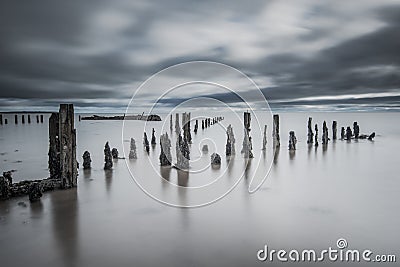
[[62, 148]]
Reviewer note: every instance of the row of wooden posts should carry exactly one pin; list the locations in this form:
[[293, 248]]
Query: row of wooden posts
[[39, 119], [183, 152]]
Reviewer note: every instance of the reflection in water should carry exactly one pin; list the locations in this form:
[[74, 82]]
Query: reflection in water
[[36, 209], [108, 174], [229, 162], [183, 178], [4, 209], [247, 169], [65, 224], [292, 153], [215, 167], [276, 155], [309, 150], [87, 173], [165, 172], [324, 149]]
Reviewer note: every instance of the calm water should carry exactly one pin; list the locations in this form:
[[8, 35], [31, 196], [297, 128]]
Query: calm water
[[310, 199]]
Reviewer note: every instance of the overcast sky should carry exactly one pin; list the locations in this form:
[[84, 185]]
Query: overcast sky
[[301, 53]]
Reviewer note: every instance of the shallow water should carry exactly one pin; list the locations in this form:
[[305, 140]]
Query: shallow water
[[311, 198]]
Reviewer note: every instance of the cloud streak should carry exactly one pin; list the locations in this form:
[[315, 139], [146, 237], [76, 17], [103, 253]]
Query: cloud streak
[[96, 53]]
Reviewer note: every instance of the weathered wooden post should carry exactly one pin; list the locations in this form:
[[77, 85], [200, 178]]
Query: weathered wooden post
[[165, 154], [215, 159], [334, 130], [276, 140], [62, 146], [177, 127], [316, 135], [153, 138], [86, 160], [1, 119], [348, 133], [132, 152], [108, 163], [146, 143], [342, 133], [182, 153], [292, 141], [196, 126], [41, 118], [247, 145], [186, 127], [54, 146], [170, 122], [37, 118], [202, 124], [230, 142], [356, 129], [325, 137], [16, 119], [23, 119], [67, 137], [310, 134], [114, 153], [29, 118], [5, 121]]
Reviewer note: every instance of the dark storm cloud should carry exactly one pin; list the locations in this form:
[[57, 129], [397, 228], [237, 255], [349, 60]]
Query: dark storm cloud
[[95, 53]]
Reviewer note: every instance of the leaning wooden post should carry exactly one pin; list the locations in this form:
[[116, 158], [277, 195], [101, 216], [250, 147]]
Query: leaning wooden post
[[37, 118], [316, 135]]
